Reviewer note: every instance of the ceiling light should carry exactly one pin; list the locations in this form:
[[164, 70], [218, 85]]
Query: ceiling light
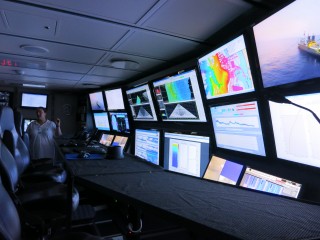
[[34, 49], [124, 64], [33, 85]]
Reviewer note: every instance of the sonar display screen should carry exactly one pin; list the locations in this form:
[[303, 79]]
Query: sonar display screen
[[179, 98], [141, 104], [226, 70]]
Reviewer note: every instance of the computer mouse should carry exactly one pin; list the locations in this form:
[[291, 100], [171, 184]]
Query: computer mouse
[[83, 154]]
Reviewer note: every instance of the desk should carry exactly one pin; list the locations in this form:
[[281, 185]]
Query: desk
[[224, 211]]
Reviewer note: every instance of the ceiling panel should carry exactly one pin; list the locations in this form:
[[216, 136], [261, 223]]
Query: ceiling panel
[[10, 44], [156, 45], [195, 19], [88, 32], [113, 72], [99, 80], [118, 10]]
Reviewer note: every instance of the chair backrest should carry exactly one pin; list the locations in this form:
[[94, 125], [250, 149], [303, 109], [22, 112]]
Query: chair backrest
[[8, 169], [12, 140], [10, 227], [18, 120]]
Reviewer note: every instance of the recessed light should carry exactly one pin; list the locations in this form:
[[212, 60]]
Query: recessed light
[[33, 85], [34, 49], [124, 64]]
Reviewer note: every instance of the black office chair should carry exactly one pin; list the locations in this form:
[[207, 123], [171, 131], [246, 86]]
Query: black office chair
[[10, 224], [18, 149]]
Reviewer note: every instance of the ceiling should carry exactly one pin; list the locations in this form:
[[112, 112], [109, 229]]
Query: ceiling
[[81, 44]]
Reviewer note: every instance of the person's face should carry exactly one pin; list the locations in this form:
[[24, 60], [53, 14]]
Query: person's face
[[41, 114]]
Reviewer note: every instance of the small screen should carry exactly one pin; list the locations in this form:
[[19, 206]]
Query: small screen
[[120, 141], [26, 123], [296, 131], [34, 100], [226, 70], [261, 181], [4, 98], [237, 127], [101, 121], [120, 122], [186, 154], [223, 170], [106, 139], [147, 145], [288, 44], [114, 99], [179, 98], [96, 101], [141, 104]]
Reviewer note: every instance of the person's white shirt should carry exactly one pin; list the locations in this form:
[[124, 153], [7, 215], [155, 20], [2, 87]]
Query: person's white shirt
[[42, 139]]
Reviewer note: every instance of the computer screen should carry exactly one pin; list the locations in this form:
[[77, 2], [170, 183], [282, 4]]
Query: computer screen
[[120, 122], [179, 98], [226, 70], [34, 100], [261, 181], [296, 131], [120, 141], [186, 154], [141, 104], [4, 98], [237, 127], [101, 120], [106, 139], [26, 122], [96, 101], [222, 170], [114, 99], [147, 145], [288, 44]]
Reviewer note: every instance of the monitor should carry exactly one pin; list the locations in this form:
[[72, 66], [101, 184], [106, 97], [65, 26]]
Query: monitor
[[141, 104], [26, 123], [101, 120], [147, 145], [120, 122], [96, 101], [114, 99], [296, 131], [222, 170], [179, 98], [5, 98], [120, 141], [186, 154], [237, 127], [261, 181], [106, 139], [226, 70], [34, 100], [288, 44]]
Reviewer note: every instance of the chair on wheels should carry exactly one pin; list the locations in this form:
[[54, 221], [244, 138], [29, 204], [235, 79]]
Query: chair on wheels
[[20, 152], [10, 224]]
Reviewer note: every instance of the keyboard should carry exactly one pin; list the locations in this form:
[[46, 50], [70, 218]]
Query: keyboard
[[91, 149]]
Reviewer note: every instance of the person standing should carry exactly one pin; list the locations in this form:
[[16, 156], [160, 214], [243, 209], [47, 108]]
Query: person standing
[[41, 134]]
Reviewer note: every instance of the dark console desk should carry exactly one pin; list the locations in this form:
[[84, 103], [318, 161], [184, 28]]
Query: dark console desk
[[217, 211]]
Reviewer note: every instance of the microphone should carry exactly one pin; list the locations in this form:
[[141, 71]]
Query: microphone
[[281, 99]]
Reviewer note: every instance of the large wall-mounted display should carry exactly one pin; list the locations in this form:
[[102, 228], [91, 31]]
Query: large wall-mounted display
[[226, 70], [179, 98]]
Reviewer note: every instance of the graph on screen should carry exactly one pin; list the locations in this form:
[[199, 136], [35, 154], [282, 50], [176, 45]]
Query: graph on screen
[[187, 154], [296, 131], [264, 182], [226, 70], [96, 101], [179, 98], [101, 120], [147, 145], [141, 104], [237, 127], [223, 170]]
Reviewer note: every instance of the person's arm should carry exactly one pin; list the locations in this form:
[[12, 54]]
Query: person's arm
[[58, 131]]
